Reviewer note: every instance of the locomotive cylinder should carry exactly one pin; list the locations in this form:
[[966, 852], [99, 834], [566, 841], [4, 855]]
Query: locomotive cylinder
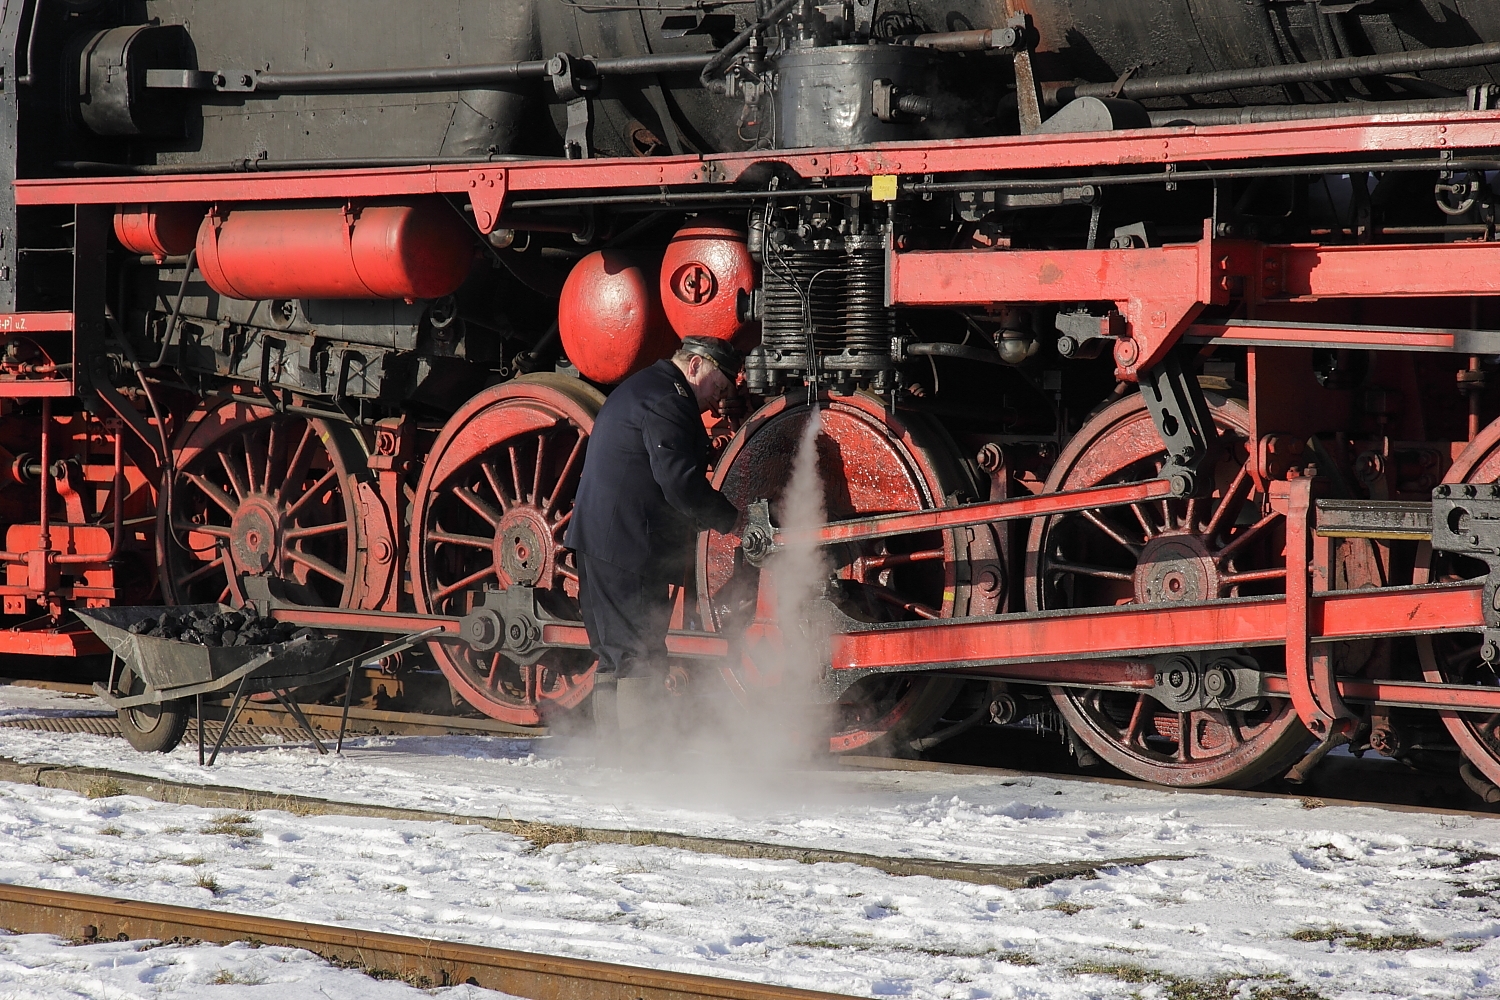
[[610, 317], [707, 278], [412, 251]]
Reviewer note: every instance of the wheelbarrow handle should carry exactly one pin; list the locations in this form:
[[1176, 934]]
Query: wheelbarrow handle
[[394, 646]]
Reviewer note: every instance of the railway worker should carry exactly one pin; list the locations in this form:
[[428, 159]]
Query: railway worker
[[642, 499]]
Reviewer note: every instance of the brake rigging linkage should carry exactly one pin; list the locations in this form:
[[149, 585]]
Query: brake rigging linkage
[[1184, 421]]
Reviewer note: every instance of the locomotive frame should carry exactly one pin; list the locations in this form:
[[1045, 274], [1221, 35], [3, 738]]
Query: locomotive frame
[[1352, 570]]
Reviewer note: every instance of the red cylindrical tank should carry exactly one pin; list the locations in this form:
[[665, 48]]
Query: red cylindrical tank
[[610, 317], [420, 250], [159, 231], [705, 276]]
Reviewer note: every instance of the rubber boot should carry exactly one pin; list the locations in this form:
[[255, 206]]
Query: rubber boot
[[639, 717], [606, 719]]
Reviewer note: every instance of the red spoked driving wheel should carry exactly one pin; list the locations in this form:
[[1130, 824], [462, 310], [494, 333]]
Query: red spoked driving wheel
[[493, 502], [1454, 658], [1164, 552], [254, 492], [870, 462]]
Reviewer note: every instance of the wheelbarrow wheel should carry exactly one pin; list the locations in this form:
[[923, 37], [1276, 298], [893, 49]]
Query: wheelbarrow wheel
[[155, 728], [152, 728]]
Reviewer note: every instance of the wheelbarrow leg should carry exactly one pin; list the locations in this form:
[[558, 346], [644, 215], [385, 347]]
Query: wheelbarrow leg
[[235, 704], [348, 696], [200, 730], [296, 713]]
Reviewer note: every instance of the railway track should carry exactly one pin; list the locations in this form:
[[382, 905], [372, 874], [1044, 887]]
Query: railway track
[[422, 962], [1339, 780], [96, 782]]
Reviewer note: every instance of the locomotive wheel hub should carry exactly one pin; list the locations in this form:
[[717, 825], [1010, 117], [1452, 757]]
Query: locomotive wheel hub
[[519, 550], [1177, 569], [254, 535]]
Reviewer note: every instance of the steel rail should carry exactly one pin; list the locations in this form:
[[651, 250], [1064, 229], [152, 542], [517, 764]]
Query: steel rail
[[85, 919]]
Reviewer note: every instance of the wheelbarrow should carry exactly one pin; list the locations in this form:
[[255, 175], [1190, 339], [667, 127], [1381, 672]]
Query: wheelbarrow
[[152, 678]]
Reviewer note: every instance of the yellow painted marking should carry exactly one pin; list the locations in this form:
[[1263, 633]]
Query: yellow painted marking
[[883, 187]]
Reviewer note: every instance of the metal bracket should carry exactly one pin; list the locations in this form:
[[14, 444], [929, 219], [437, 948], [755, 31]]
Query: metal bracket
[[1183, 420], [1191, 682], [1028, 94], [1083, 334], [1466, 522], [509, 620], [574, 81]]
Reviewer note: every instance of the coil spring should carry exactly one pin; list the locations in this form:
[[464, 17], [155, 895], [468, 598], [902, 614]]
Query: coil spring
[[870, 325], [790, 274]]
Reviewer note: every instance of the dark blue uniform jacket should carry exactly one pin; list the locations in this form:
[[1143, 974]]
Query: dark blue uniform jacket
[[643, 497]]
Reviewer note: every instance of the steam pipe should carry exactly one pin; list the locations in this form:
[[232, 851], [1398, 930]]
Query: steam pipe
[[1299, 112], [445, 77], [1268, 76], [44, 534], [955, 351], [27, 78]]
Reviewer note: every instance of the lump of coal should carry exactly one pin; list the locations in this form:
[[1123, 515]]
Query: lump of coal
[[226, 628]]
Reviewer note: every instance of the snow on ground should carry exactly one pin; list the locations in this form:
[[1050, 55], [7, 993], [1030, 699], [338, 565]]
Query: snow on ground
[[1273, 898], [36, 966]]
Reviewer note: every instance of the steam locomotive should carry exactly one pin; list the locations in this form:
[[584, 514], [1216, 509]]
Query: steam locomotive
[[1151, 343]]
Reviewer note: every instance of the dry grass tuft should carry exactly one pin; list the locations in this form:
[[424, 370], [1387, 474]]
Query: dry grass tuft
[[543, 835], [1066, 907], [232, 825], [1181, 988], [107, 788], [1361, 941]]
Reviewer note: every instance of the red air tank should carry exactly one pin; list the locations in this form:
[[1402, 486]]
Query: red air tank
[[420, 250], [706, 279], [610, 317], [159, 231]]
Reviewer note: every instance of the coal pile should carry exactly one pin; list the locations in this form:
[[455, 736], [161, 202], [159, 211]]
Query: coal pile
[[226, 628]]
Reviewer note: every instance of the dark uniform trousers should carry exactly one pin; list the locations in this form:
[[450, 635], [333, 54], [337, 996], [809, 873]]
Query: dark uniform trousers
[[626, 615], [642, 499]]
